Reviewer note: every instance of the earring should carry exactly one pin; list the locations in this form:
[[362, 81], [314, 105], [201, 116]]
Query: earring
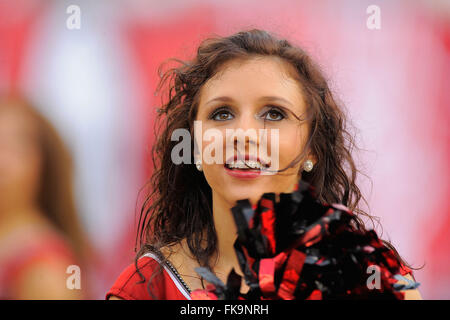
[[308, 165], [198, 164]]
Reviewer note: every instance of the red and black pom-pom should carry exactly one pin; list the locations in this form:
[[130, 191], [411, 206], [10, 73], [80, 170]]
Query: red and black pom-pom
[[297, 248]]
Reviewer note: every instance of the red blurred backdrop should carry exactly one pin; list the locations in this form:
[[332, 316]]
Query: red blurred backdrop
[[97, 85]]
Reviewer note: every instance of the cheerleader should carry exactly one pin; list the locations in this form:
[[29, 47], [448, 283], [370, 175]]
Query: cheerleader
[[249, 80]]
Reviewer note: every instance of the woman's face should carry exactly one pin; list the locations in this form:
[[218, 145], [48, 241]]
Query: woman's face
[[258, 93], [20, 156]]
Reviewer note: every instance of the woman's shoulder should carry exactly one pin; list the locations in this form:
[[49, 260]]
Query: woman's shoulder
[[132, 281], [147, 279]]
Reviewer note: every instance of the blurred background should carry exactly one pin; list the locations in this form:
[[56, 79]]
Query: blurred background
[[82, 75]]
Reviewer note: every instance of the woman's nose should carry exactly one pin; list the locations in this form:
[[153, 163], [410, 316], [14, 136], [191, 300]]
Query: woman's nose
[[248, 120], [245, 133]]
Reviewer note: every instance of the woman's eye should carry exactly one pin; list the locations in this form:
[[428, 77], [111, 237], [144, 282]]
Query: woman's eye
[[222, 115], [273, 115]]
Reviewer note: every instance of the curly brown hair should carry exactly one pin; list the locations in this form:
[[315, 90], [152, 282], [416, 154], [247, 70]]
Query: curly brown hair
[[179, 203]]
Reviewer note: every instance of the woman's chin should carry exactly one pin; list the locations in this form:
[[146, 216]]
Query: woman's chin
[[252, 196]]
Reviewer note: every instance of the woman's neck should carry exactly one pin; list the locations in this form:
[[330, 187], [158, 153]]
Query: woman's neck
[[18, 216], [226, 235], [14, 209]]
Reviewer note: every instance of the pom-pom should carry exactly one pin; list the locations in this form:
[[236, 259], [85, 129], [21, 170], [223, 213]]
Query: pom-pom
[[298, 248]]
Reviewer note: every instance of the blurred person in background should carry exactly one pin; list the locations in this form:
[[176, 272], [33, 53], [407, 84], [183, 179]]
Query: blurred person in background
[[40, 233]]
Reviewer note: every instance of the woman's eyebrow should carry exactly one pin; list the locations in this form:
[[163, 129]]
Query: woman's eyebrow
[[221, 98], [276, 99], [265, 98]]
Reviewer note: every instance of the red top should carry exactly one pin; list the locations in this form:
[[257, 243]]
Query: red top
[[164, 285]]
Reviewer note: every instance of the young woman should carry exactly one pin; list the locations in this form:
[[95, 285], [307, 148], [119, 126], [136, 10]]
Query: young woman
[[40, 233], [249, 80]]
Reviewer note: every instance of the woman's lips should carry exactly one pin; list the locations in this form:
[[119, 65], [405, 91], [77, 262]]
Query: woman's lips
[[243, 174]]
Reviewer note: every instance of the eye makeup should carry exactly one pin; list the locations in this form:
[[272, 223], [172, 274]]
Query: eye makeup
[[271, 109], [217, 113]]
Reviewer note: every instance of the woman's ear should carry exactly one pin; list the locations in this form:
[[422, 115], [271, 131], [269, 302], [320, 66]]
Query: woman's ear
[[311, 157]]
